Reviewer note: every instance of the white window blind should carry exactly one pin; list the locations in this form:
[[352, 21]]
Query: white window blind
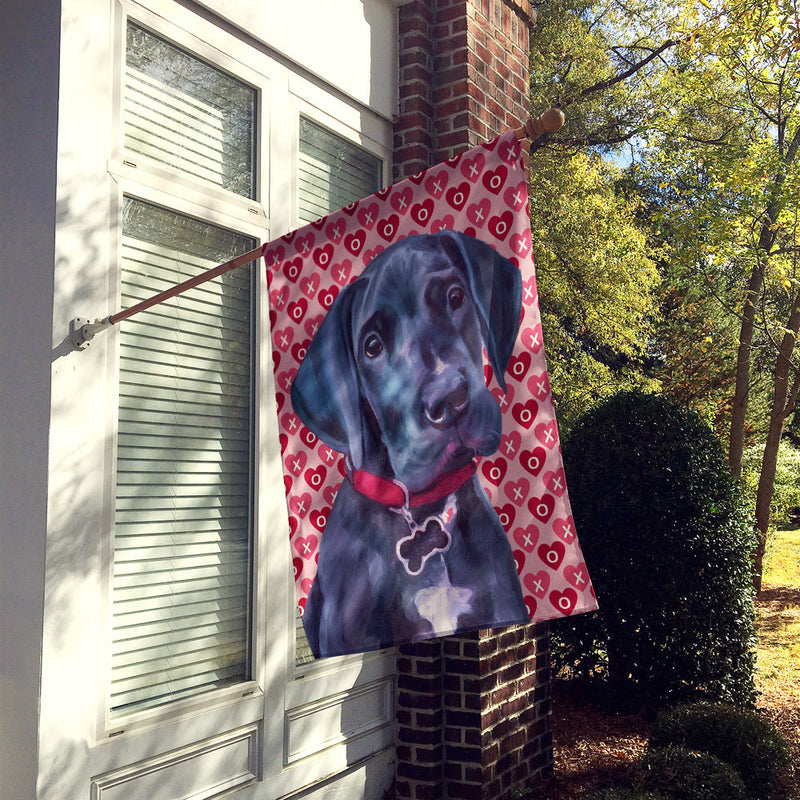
[[332, 173], [182, 528], [187, 114], [182, 541]]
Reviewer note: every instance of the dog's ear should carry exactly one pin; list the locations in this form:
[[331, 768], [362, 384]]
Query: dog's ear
[[325, 392], [496, 286]]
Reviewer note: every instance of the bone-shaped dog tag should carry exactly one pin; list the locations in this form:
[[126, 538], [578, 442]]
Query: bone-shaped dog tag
[[424, 541]]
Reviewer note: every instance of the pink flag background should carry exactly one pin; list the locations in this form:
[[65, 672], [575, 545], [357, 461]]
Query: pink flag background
[[482, 193]]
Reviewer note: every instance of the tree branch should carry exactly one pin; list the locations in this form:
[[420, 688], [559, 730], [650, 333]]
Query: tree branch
[[720, 140], [601, 86], [578, 143]]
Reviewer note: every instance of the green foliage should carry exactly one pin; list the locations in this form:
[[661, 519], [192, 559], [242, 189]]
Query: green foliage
[[719, 173], [596, 274], [695, 342], [786, 490], [595, 279], [703, 101], [667, 541], [593, 59], [683, 774], [741, 738]]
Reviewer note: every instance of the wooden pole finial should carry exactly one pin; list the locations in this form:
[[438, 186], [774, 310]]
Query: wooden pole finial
[[534, 127]]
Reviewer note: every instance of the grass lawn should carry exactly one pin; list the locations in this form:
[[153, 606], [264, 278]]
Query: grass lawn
[[778, 629], [778, 624], [783, 559]]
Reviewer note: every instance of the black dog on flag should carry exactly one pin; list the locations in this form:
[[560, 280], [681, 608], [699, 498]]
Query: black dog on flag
[[394, 379]]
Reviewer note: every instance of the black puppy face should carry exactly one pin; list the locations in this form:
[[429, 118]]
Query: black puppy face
[[394, 376], [417, 347]]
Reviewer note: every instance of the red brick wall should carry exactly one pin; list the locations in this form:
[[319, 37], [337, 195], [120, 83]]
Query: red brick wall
[[473, 714], [507, 674], [413, 126], [419, 746], [463, 76], [473, 710]]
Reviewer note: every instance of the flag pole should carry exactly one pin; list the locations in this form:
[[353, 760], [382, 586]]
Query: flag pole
[[82, 331]]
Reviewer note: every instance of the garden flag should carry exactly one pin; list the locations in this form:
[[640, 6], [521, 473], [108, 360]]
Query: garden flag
[[423, 475]]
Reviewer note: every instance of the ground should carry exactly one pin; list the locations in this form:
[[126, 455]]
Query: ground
[[593, 748], [779, 669]]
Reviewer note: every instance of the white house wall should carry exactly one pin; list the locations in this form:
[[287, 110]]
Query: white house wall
[[29, 58], [58, 260], [332, 39]]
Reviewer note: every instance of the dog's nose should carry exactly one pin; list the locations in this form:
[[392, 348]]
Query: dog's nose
[[444, 408]]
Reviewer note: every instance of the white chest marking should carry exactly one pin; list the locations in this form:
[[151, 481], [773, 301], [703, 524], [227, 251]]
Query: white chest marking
[[442, 604]]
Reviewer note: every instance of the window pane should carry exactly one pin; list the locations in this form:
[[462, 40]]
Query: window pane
[[185, 113], [182, 541], [332, 173]]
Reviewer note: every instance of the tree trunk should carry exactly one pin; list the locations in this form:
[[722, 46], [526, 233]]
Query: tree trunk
[[766, 240], [784, 398], [742, 388]]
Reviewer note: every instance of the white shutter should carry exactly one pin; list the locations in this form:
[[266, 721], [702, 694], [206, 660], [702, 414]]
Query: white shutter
[[182, 541], [332, 173], [186, 114]]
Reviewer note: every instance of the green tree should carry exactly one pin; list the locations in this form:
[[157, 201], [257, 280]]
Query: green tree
[[597, 278], [724, 155], [705, 98], [598, 60], [786, 492], [695, 344]]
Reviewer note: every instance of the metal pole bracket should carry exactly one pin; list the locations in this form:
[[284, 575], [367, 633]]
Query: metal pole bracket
[[82, 330]]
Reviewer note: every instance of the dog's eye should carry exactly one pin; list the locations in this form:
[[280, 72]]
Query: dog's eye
[[456, 297], [373, 346]]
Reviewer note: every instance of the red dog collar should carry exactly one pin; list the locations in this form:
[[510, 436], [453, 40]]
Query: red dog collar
[[392, 493]]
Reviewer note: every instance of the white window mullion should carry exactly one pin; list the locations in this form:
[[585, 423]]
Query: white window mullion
[[332, 172]]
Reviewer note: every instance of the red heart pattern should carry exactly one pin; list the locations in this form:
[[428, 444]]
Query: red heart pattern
[[457, 196], [400, 199], [517, 491], [482, 193], [565, 601], [478, 213], [494, 471], [421, 212], [526, 538]]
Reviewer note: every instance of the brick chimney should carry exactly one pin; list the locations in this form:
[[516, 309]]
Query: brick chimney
[[473, 711], [463, 77]]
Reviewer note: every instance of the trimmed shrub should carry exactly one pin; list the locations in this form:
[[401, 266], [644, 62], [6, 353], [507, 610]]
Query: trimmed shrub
[[667, 540], [683, 774], [743, 739]]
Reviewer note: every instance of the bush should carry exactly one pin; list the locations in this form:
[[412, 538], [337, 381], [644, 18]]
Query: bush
[[743, 739], [683, 774], [667, 541]]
